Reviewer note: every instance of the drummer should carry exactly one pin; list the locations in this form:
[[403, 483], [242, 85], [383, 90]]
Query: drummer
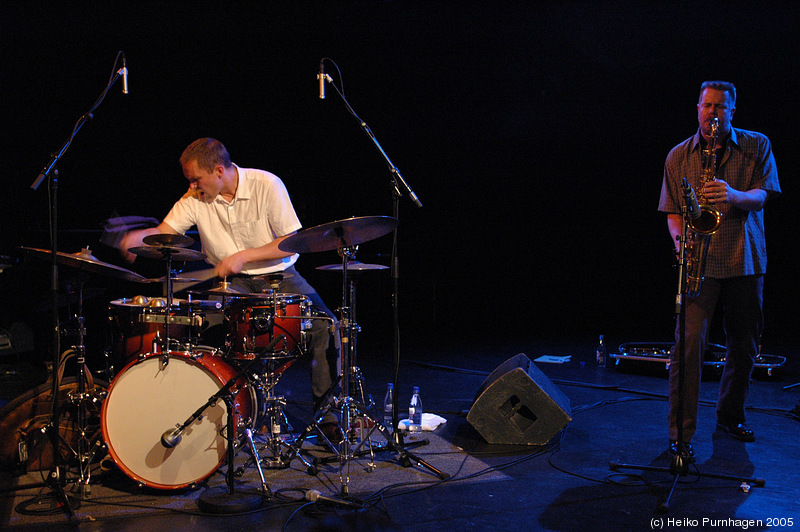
[[242, 214]]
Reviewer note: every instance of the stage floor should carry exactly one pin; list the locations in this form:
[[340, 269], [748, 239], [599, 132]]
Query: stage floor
[[618, 416]]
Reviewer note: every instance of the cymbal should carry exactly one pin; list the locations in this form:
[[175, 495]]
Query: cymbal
[[353, 266], [162, 252], [225, 289], [339, 234], [84, 260], [175, 279], [168, 239]]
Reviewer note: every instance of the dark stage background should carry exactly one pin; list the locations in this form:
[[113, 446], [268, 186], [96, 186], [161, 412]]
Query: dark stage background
[[533, 133]]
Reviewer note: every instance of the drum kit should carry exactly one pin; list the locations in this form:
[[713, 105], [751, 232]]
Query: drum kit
[[178, 409]]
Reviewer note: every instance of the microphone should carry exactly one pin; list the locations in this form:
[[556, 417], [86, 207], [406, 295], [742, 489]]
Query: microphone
[[315, 496], [171, 438], [692, 206], [124, 72], [321, 77]]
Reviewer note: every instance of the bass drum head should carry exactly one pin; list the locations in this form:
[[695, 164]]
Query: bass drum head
[[146, 399]]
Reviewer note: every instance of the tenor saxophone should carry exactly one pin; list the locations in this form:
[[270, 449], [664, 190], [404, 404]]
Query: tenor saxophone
[[707, 223]]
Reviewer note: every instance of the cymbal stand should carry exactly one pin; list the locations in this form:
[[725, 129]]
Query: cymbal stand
[[80, 399], [166, 251], [50, 170], [348, 406], [351, 375]]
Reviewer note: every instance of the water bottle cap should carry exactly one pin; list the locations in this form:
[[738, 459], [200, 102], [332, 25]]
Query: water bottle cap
[[416, 389], [390, 386]]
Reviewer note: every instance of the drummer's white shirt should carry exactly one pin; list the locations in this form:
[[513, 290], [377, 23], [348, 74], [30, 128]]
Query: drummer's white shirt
[[260, 212]]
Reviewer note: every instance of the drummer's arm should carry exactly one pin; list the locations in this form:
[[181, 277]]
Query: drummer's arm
[[234, 263], [134, 239]]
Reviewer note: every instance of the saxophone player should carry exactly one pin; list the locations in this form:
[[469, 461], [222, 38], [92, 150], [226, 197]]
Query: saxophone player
[[744, 177]]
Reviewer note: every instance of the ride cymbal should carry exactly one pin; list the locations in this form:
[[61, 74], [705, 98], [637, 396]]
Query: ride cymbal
[[354, 266], [340, 234]]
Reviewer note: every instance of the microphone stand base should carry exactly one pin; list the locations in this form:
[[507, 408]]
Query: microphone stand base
[[220, 500]]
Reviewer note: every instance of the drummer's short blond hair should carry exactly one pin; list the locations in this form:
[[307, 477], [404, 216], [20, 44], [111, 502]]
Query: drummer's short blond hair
[[207, 152]]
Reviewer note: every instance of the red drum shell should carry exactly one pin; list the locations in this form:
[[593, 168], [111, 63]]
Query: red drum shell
[[255, 322]]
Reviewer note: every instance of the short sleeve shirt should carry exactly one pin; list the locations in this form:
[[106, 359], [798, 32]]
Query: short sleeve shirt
[[260, 212], [746, 163]]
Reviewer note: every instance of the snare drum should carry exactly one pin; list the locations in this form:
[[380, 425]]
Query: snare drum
[[148, 398], [254, 322]]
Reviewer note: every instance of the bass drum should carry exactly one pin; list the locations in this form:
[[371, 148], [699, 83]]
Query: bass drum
[[148, 398]]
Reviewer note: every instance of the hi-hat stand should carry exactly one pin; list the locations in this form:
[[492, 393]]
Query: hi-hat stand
[[680, 462]]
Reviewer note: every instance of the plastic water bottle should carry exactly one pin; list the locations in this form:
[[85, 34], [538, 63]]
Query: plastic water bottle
[[388, 407], [415, 412], [602, 354]]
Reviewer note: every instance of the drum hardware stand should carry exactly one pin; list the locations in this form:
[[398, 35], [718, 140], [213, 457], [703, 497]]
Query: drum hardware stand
[[80, 399], [272, 417], [679, 466], [56, 478], [166, 252], [348, 406]]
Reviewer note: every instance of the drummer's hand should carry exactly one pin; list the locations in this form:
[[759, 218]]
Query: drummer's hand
[[128, 241], [230, 265]]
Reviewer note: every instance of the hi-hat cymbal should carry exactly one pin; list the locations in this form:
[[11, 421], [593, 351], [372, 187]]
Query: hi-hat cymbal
[[163, 252], [168, 239], [354, 266], [224, 289], [84, 260], [340, 234]]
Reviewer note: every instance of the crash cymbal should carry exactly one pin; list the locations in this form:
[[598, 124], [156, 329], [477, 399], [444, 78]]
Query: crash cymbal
[[343, 233], [353, 266], [163, 252], [84, 260], [168, 239]]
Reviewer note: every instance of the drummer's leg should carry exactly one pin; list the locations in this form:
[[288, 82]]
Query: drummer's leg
[[324, 341]]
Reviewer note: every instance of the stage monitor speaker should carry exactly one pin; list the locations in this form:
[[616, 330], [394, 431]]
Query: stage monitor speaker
[[518, 405]]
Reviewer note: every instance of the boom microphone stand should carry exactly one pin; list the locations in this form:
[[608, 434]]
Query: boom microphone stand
[[57, 476], [399, 188], [679, 466]]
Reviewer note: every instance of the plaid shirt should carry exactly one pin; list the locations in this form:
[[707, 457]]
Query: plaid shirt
[[738, 247]]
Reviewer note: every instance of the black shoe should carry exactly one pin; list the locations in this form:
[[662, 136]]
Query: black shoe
[[684, 449], [737, 430], [332, 432]]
